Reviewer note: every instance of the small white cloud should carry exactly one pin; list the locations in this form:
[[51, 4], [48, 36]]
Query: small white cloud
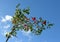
[[26, 33], [4, 32], [3, 20], [19, 40], [6, 18], [7, 26]]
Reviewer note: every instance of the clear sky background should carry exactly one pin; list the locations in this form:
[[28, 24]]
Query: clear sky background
[[47, 9]]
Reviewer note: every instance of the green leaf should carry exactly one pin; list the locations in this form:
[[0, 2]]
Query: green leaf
[[40, 19], [26, 11], [38, 32], [14, 33], [17, 5], [50, 24]]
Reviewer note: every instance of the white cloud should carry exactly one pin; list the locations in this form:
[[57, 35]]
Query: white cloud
[[27, 34], [6, 26], [4, 32], [6, 18], [19, 40]]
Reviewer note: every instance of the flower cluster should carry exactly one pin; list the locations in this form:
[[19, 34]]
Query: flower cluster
[[21, 22]]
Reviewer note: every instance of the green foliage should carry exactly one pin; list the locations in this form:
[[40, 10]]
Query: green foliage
[[18, 5], [21, 22], [26, 11]]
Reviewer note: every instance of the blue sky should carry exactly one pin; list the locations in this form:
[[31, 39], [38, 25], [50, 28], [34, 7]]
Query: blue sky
[[47, 9]]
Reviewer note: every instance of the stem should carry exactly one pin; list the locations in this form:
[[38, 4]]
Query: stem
[[7, 38]]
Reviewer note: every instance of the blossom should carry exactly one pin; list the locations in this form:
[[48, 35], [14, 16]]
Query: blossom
[[44, 22], [33, 18]]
